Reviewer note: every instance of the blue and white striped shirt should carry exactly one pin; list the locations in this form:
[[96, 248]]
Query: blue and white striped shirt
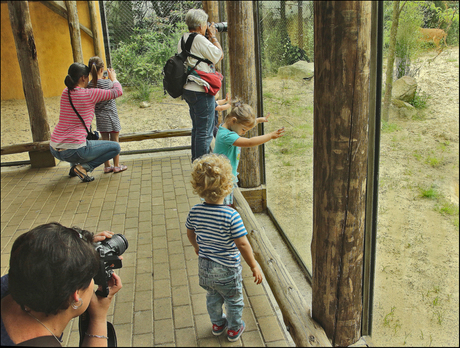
[[216, 226]]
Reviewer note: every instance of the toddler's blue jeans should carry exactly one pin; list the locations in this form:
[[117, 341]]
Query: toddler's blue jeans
[[224, 285]]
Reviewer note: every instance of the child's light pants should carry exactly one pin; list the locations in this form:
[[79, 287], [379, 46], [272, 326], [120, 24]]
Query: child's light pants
[[224, 285]]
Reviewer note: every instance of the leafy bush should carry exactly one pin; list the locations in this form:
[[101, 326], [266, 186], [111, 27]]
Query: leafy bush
[[276, 47], [141, 60]]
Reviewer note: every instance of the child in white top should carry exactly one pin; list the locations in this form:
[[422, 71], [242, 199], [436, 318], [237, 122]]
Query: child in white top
[[230, 140]]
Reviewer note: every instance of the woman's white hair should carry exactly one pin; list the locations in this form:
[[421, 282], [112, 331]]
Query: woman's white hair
[[195, 18]]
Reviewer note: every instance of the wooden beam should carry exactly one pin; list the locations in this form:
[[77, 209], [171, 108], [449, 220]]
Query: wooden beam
[[56, 7], [304, 330], [243, 81], [26, 50], [342, 72], [256, 198], [45, 145], [74, 30], [93, 13]]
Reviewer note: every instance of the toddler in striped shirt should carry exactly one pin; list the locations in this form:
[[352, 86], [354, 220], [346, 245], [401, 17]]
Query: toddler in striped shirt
[[218, 235]]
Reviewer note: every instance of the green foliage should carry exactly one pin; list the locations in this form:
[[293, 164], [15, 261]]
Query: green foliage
[[431, 192], [141, 60], [142, 91], [434, 161], [420, 100], [388, 127], [407, 39], [447, 208], [276, 47]]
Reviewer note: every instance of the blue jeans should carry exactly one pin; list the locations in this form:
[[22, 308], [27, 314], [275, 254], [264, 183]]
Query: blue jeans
[[90, 156], [224, 285], [202, 107]]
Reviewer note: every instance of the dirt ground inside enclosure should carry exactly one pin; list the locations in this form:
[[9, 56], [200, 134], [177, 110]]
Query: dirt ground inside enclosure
[[416, 298]]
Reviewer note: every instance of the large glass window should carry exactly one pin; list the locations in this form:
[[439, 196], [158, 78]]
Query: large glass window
[[286, 30]]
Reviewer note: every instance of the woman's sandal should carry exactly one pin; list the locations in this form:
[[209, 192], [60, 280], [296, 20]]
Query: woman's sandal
[[108, 170], [120, 168], [83, 177]]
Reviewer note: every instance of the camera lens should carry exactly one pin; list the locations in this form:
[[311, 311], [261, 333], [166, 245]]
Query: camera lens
[[221, 27], [118, 243]]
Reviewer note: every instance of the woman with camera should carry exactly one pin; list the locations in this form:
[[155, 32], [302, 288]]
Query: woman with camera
[[50, 281], [201, 104], [69, 138]]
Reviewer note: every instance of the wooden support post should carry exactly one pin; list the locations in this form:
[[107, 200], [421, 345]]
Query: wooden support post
[[74, 30], [212, 9], [93, 13], [341, 110], [304, 331], [244, 82], [31, 81]]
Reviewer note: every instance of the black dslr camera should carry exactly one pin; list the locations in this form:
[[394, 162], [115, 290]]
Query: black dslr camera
[[220, 27], [109, 251]]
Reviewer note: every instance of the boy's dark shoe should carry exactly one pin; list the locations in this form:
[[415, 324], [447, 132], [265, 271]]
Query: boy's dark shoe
[[217, 330], [235, 335]]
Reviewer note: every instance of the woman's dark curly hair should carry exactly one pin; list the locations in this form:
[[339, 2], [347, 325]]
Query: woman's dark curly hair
[[48, 264]]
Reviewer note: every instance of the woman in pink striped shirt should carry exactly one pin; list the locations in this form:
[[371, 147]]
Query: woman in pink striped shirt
[[68, 140]]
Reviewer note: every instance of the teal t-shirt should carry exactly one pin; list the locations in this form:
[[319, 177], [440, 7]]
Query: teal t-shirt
[[224, 145]]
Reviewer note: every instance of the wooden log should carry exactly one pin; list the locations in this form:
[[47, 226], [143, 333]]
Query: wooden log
[[30, 72], [74, 30], [45, 145], [93, 13], [157, 134], [27, 147], [342, 74], [304, 330], [244, 82], [56, 7]]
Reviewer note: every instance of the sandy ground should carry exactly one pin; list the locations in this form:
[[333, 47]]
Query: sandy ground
[[417, 273]]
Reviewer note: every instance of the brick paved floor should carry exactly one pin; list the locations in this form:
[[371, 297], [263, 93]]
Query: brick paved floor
[[161, 303]]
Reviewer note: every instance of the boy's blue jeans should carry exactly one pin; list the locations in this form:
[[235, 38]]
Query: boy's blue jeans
[[224, 285], [202, 109]]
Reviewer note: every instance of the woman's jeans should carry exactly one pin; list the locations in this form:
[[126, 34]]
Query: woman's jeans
[[90, 156], [202, 107], [224, 285]]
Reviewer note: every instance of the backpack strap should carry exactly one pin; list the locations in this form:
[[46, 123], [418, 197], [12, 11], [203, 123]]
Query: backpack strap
[[188, 46]]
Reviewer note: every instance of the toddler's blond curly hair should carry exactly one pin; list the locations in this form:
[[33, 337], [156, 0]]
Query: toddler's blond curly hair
[[212, 177]]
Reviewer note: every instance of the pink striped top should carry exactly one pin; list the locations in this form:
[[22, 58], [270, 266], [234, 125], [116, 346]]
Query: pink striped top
[[69, 132]]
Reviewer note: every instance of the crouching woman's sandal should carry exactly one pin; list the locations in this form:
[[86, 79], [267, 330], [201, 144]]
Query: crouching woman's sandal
[[83, 177]]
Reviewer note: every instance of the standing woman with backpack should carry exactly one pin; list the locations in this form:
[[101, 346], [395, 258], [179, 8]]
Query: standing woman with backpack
[[201, 104]]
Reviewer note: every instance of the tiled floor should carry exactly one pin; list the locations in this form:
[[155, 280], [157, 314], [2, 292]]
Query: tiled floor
[[161, 302]]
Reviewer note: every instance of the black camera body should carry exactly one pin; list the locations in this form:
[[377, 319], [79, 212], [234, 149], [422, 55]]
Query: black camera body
[[109, 251]]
